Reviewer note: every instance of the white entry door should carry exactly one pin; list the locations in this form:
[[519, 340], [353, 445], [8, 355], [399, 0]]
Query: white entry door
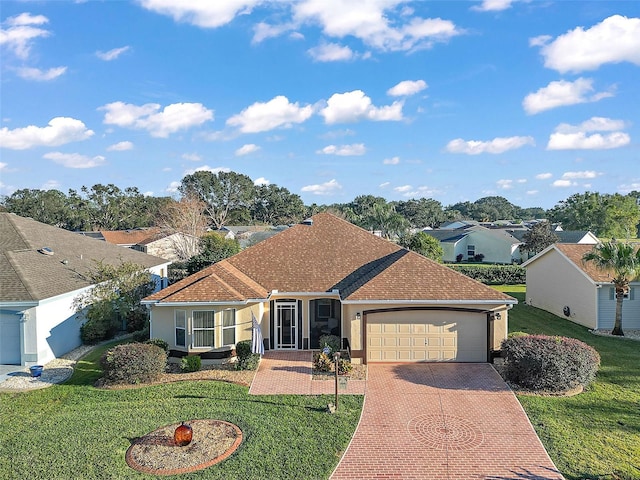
[[286, 327]]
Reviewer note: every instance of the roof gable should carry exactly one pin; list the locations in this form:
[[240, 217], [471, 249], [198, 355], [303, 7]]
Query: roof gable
[[28, 275], [328, 254]]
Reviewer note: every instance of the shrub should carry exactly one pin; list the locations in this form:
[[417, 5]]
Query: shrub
[[478, 257], [552, 364], [159, 343], [322, 362], [344, 366], [459, 257], [517, 334], [133, 363], [137, 320], [94, 330], [331, 341], [246, 359], [142, 335], [191, 363], [493, 274]]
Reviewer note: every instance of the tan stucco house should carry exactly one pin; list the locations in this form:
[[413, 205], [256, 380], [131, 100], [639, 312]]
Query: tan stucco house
[[327, 276], [559, 282]]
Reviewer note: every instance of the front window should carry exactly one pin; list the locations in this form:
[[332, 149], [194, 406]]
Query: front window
[[471, 251], [229, 326], [203, 328], [181, 328]]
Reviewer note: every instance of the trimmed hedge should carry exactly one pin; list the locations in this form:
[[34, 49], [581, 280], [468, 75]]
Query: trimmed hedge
[[133, 363], [246, 359], [191, 363], [493, 274], [550, 364]]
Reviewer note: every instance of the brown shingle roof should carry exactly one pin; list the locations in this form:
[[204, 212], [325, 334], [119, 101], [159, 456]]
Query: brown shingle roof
[[130, 237], [26, 275], [575, 252], [331, 253]]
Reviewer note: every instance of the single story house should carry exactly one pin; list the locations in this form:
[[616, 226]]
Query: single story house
[[41, 272], [328, 276], [559, 282]]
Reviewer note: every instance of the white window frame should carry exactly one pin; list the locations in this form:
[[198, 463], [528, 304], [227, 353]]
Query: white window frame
[[471, 251], [229, 328], [178, 327], [195, 330]]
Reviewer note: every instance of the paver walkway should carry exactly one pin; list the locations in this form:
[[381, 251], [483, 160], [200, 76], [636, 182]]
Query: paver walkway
[[443, 421], [281, 372]]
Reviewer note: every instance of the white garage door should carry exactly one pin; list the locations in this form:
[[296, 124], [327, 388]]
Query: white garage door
[[426, 336], [9, 339]]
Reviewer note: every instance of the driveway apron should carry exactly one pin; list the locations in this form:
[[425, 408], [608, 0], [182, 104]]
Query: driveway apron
[[442, 421]]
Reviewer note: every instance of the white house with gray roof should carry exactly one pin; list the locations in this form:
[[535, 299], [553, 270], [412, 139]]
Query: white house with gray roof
[[41, 272]]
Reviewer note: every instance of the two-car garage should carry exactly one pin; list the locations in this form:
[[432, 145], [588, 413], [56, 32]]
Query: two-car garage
[[426, 335]]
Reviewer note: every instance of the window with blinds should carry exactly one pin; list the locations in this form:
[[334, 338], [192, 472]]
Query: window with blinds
[[203, 328]]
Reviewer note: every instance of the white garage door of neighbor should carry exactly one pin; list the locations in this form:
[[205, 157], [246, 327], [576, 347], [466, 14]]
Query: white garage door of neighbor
[[9, 339], [426, 336]]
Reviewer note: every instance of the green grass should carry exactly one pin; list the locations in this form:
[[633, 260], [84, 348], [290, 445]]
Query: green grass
[[77, 431], [594, 435]]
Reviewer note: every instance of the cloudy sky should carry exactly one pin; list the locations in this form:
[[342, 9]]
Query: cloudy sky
[[451, 100]]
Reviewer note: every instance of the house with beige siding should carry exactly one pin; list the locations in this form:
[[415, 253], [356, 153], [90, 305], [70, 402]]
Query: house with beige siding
[[559, 282], [327, 276]]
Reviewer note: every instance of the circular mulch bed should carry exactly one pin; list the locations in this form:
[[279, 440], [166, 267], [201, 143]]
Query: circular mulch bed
[[156, 453]]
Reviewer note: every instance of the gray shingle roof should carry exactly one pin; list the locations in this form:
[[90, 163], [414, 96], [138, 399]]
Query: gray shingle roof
[[27, 275]]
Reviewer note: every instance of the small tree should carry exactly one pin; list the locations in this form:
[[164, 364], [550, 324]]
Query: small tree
[[624, 261], [426, 245], [214, 247], [539, 237], [117, 292]]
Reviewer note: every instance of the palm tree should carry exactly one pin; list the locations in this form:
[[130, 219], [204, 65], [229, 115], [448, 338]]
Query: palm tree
[[624, 260]]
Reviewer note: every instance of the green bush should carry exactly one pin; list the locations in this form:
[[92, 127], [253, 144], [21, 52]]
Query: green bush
[[159, 343], [493, 274], [551, 364], [331, 341], [517, 334], [344, 366], [246, 360], [137, 320], [133, 363], [95, 330], [142, 336], [191, 363]]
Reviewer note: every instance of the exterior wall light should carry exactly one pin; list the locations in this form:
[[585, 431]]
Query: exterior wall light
[[358, 316]]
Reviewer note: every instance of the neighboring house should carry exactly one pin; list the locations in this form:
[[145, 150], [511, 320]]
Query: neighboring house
[[496, 245], [569, 236], [559, 282], [248, 235], [176, 247], [129, 238], [327, 276], [41, 272]]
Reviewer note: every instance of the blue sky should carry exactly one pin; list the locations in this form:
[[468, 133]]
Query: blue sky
[[455, 100]]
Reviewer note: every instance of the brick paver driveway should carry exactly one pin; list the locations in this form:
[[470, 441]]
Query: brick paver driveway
[[442, 421]]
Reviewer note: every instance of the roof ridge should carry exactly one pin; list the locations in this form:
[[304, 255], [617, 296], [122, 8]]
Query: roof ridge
[[240, 275]]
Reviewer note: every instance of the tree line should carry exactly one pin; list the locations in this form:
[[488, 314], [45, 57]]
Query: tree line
[[212, 200]]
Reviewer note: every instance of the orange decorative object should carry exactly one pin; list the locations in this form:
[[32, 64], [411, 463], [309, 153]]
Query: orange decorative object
[[183, 435]]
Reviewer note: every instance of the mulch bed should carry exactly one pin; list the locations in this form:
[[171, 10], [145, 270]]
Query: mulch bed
[[358, 372], [156, 452]]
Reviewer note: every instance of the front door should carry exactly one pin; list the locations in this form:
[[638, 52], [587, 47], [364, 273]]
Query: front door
[[286, 325]]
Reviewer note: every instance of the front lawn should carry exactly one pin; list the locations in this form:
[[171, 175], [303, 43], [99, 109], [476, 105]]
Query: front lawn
[[594, 435], [77, 431]]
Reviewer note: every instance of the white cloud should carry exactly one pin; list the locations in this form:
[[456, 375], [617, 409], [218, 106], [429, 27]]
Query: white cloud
[[50, 185], [173, 187], [581, 175], [407, 88], [20, 33], [505, 184], [247, 149], [344, 150], [3, 166], [409, 191], [75, 160], [616, 39], [192, 157], [391, 161], [31, 73], [579, 137], [384, 184], [544, 176], [277, 112], [112, 54], [354, 106], [629, 187], [563, 183], [327, 188], [531, 192], [206, 168], [120, 147], [331, 52], [263, 31], [59, 131], [369, 21], [159, 123], [493, 5], [261, 181], [497, 145], [204, 14], [561, 93], [403, 188]]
